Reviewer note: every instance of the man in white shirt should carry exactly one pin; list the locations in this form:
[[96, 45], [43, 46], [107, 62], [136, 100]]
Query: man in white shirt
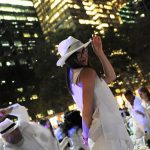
[[24, 135], [140, 121]]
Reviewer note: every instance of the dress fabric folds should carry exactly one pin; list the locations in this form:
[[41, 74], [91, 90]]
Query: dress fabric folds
[[107, 131]]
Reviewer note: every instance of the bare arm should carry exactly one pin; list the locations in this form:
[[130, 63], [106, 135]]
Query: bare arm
[[107, 67], [87, 78]]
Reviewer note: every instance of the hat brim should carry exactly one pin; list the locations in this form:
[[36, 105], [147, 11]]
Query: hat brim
[[10, 130], [62, 60]]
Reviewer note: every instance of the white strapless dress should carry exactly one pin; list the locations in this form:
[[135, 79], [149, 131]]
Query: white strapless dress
[[107, 131]]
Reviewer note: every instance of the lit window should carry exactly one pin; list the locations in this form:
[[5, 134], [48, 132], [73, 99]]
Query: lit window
[[55, 3], [115, 29], [14, 22], [21, 99], [30, 48], [5, 43], [31, 41], [29, 23], [102, 25], [72, 107], [39, 116], [112, 16], [36, 35], [142, 15], [17, 43], [21, 18], [108, 7], [22, 61], [50, 112], [37, 3], [76, 6], [10, 63], [9, 17], [1, 17], [10, 103], [10, 9], [17, 2], [102, 31], [32, 19], [20, 90], [1, 64], [3, 82], [33, 97], [26, 35]]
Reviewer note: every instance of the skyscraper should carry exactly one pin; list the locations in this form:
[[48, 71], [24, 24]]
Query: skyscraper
[[19, 31], [131, 10], [57, 14]]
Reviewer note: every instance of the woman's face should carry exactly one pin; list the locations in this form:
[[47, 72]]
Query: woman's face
[[143, 96], [82, 56]]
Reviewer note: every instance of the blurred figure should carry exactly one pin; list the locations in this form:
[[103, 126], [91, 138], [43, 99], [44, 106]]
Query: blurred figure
[[140, 121], [64, 141], [47, 124], [23, 135], [145, 96], [73, 129], [59, 133]]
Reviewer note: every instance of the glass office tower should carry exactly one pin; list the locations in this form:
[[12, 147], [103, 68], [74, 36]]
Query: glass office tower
[[19, 32], [59, 14]]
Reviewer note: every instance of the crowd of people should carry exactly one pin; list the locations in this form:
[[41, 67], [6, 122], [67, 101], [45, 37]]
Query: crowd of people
[[139, 119], [101, 126]]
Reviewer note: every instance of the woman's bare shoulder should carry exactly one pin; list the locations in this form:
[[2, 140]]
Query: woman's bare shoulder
[[87, 74]]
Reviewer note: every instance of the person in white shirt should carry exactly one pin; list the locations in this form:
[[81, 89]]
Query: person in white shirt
[[22, 134], [145, 96], [140, 121]]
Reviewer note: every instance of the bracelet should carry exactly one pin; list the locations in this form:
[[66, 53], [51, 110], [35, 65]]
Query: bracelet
[[85, 139]]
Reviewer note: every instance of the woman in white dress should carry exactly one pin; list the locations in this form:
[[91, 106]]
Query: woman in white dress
[[102, 125], [145, 96]]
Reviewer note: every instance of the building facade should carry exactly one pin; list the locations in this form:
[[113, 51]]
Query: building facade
[[132, 10], [19, 32], [54, 15]]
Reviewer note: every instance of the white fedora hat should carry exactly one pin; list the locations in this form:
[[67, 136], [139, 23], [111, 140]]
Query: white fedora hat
[[7, 126], [69, 46]]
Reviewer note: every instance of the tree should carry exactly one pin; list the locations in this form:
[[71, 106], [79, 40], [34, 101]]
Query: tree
[[137, 42]]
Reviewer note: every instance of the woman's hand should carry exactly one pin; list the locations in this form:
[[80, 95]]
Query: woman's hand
[[85, 141], [97, 45]]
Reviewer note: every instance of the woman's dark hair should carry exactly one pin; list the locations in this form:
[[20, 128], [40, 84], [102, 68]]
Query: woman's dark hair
[[72, 63], [72, 119], [128, 93], [145, 90], [43, 123]]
